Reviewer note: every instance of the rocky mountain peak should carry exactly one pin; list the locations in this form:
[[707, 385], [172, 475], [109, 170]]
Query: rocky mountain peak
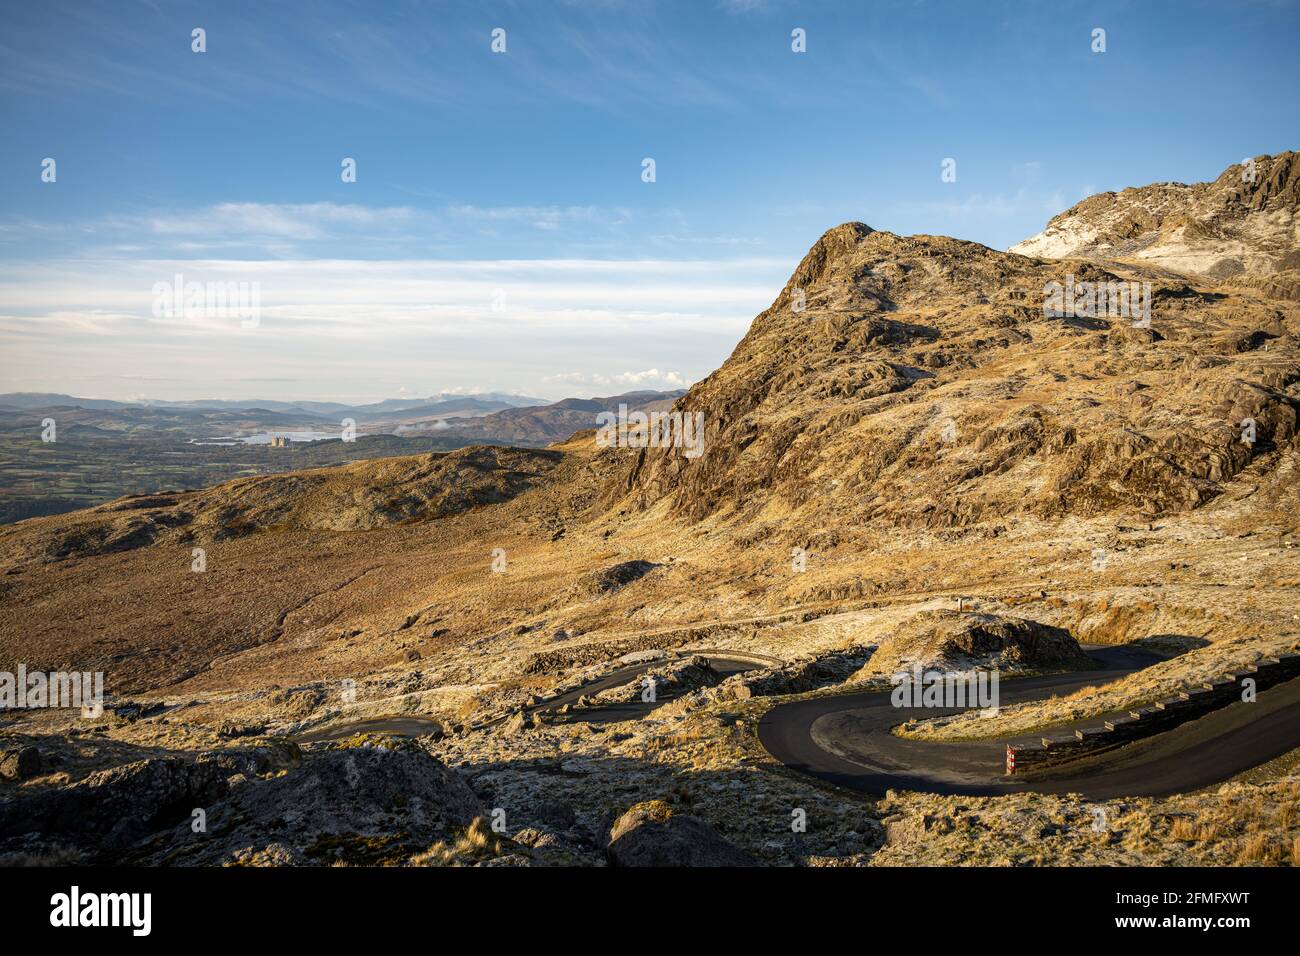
[[1274, 184], [1239, 230], [918, 381]]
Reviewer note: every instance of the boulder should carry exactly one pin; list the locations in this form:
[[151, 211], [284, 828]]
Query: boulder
[[559, 816], [953, 641], [650, 834], [21, 764], [517, 723]]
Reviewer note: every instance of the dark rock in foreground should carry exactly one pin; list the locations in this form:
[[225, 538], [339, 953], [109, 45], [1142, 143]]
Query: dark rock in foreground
[[651, 835]]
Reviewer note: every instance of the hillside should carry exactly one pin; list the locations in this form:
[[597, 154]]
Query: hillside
[[103, 449], [923, 386], [355, 497]]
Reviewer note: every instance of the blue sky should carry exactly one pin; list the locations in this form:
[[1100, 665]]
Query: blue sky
[[499, 234]]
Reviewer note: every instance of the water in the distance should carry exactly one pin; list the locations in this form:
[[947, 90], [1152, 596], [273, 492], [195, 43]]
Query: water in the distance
[[265, 438]]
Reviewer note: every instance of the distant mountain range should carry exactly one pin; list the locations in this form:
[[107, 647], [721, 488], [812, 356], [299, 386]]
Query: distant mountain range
[[107, 448], [495, 417], [443, 402], [540, 425]]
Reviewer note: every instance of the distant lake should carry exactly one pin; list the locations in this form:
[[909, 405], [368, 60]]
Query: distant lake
[[265, 438]]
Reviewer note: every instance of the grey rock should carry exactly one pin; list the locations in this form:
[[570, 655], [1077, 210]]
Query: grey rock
[[642, 837], [21, 764], [115, 808], [559, 816]]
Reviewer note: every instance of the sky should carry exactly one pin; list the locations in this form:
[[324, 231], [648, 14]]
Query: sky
[[500, 234]]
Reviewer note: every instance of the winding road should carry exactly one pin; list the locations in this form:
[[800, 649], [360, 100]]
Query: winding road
[[725, 663], [846, 740]]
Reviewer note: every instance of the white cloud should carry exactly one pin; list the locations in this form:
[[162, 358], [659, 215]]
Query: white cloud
[[651, 378], [255, 230], [293, 221], [542, 217], [348, 327]]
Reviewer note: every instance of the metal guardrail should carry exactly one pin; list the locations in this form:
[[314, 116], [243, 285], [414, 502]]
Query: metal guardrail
[[1189, 704]]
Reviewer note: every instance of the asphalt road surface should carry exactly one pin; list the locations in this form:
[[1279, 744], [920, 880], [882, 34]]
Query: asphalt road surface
[[846, 740], [394, 726]]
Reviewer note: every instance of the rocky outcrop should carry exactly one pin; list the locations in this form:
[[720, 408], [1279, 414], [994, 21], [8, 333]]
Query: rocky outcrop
[[1239, 229], [364, 804], [953, 641], [113, 809], [381, 800], [651, 834], [919, 382], [611, 579], [21, 763]]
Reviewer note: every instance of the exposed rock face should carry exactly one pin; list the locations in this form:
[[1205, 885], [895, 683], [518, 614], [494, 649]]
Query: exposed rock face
[[361, 805], [922, 385], [952, 641], [650, 834], [381, 801], [1239, 229], [112, 809]]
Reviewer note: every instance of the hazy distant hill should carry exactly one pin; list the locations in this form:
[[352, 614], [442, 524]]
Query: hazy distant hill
[[444, 401], [54, 399], [105, 448], [550, 423]]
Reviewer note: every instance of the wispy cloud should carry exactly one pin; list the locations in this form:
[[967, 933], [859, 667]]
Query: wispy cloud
[[362, 326], [295, 221], [249, 230], [651, 378], [542, 217]]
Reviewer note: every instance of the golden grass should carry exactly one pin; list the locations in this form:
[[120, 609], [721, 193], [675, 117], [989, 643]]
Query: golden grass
[[476, 843], [1189, 830], [1258, 850]]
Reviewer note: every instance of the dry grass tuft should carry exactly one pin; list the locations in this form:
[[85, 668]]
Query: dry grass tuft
[[477, 843], [1259, 850]]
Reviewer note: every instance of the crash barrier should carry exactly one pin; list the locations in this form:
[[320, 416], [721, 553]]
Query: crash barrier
[[1196, 701]]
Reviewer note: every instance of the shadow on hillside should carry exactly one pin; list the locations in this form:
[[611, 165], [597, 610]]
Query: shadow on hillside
[[574, 798]]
